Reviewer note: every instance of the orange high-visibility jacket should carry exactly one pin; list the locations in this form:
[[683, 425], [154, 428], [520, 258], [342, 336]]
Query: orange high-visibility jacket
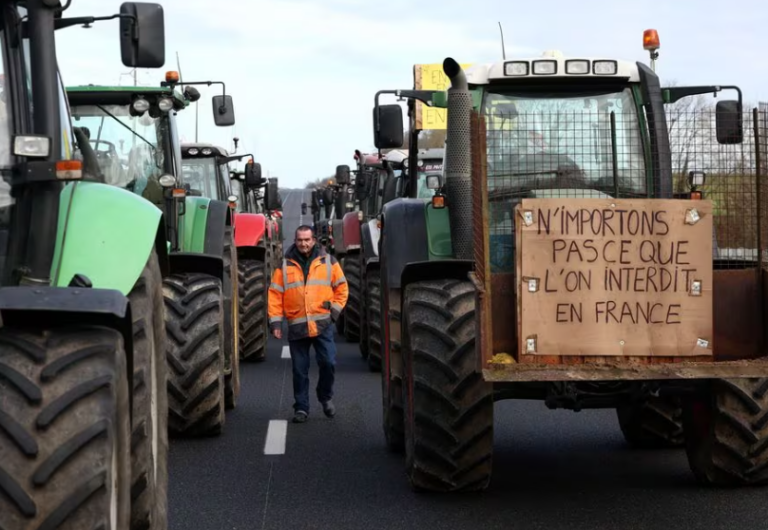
[[309, 306]]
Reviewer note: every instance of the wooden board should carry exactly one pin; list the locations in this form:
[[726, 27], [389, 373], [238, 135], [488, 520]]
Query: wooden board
[[614, 277]]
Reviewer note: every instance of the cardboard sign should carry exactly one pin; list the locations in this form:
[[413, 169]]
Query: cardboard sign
[[431, 77], [609, 277]]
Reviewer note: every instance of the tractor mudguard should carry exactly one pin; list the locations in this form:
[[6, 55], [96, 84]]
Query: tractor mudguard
[[184, 262], [249, 229], [370, 247], [106, 234], [417, 271], [350, 228], [405, 222], [70, 306], [203, 226], [258, 253]]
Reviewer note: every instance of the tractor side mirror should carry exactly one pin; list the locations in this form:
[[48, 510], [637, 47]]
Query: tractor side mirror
[[142, 35], [223, 111], [271, 196], [253, 175], [728, 122], [388, 126], [342, 175], [303, 208]]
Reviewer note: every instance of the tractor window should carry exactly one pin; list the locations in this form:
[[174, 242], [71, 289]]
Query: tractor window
[[225, 188], [5, 119], [126, 147], [202, 175], [239, 192]]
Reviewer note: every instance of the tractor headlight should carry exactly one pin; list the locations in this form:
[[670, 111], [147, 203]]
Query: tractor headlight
[[576, 67], [31, 146], [516, 68], [167, 181], [605, 67], [206, 151], [193, 151]]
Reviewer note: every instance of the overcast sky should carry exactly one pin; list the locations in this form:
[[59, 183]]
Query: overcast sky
[[303, 73]]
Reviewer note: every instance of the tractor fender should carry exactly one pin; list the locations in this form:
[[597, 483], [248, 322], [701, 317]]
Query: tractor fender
[[257, 252], [249, 229], [203, 226], [351, 231], [337, 230], [417, 271], [369, 247], [106, 233], [404, 238], [187, 262]]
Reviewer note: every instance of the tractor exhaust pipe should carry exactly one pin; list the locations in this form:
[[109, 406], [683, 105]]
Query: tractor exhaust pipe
[[458, 161]]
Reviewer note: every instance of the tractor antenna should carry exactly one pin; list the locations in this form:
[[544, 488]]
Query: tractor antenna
[[181, 77], [503, 49]]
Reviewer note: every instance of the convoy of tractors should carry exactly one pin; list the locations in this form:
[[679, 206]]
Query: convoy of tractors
[[135, 270]]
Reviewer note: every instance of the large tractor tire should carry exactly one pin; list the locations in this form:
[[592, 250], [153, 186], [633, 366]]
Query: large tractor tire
[[373, 320], [393, 414], [653, 424], [65, 429], [726, 435], [363, 339], [195, 329], [231, 322], [449, 416], [253, 310], [149, 439], [351, 267]]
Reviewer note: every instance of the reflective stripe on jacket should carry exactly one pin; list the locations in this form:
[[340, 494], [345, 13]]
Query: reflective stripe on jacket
[[309, 306]]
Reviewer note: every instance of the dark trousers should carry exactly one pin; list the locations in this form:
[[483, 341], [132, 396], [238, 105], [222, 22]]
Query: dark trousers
[[325, 352]]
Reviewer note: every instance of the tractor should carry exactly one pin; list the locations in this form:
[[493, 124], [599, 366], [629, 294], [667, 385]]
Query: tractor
[[490, 290], [82, 393], [133, 134], [206, 169], [379, 181]]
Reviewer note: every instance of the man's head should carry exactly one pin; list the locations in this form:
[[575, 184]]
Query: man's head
[[305, 239]]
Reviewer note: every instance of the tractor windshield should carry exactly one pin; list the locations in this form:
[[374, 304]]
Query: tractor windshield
[[239, 192], [202, 175], [558, 142], [128, 148]]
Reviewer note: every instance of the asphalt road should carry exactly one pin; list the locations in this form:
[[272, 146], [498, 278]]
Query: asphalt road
[[552, 469]]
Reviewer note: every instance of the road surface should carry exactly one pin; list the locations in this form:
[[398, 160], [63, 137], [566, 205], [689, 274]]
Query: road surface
[[552, 470]]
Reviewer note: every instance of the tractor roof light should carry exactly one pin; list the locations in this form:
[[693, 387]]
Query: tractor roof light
[[516, 68], [207, 152], [171, 76], [165, 104], [141, 105], [193, 151], [605, 67], [545, 67], [651, 41]]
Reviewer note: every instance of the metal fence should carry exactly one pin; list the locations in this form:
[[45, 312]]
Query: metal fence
[[560, 150]]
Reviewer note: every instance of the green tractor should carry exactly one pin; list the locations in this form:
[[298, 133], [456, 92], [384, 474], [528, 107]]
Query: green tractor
[[83, 416], [206, 168], [133, 134], [484, 307]]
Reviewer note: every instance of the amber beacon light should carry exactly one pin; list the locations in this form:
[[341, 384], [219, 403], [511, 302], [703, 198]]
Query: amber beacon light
[[652, 44]]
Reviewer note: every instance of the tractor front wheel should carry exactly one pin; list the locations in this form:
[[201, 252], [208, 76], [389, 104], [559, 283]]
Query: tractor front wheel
[[65, 429], [195, 330], [351, 267], [149, 439], [726, 435], [253, 310], [449, 407], [373, 319], [231, 324], [656, 423]]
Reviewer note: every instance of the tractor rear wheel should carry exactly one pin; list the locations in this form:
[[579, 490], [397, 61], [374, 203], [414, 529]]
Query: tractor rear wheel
[[351, 267], [195, 329], [373, 310], [253, 310], [65, 435], [231, 322], [726, 435], [653, 424], [149, 438], [449, 416]]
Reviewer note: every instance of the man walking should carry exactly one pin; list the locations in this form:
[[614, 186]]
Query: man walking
[[309, 291]]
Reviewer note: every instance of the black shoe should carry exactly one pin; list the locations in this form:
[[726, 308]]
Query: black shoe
[[329, 409], [300, 416]]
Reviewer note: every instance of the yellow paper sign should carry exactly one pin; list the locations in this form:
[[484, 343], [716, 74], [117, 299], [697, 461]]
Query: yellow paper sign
[[431, 77]]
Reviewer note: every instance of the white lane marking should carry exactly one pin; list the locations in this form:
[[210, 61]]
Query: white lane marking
[[286, 354], [276, 434]]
